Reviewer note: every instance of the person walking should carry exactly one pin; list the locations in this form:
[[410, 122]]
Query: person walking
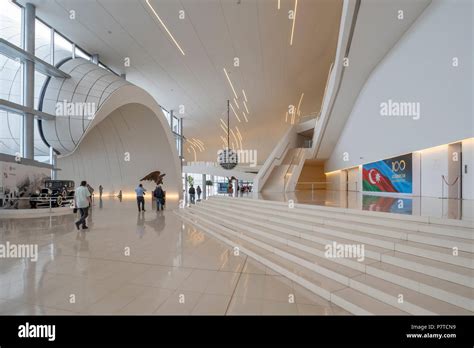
[[82, 200], [198, 191], [140, 191], [159, 195], [101, 189], [192, 194]]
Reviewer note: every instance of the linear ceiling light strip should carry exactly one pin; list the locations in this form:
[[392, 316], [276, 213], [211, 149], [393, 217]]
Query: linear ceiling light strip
[[234, 136], [230, 83], [299, 104], [233, 110], [225, 130], [245, 96], [164, 26], [293, 25], [246, 108]]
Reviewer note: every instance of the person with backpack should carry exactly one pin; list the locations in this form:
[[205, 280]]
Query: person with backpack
[[159, 195], [192, 194]]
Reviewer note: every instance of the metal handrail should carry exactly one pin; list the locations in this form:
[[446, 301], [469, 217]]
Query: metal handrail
[[285, 180]]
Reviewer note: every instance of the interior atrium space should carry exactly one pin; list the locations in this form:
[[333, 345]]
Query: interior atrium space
[[226, 163]]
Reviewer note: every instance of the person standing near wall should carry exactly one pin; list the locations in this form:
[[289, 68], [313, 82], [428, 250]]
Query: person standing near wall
[[101, 189], [82, 200], [140, 191]]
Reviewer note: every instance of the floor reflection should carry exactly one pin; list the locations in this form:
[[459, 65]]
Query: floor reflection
[[419, 206], [88, 272]]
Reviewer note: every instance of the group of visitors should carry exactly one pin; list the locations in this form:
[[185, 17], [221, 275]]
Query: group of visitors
[[158, 194], [84, 193], [192, 194]]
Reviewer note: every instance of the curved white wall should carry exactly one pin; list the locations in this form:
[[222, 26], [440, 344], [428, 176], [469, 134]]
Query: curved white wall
[[89, 85], [417, 69], [121, 149]]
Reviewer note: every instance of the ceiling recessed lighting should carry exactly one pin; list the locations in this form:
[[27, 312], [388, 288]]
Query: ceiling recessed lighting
[[230, 82], [278, 4], [293, 26], [164, 26], [236, 104], [245, 116]]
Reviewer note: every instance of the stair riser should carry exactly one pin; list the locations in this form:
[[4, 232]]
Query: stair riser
[[415, 226]]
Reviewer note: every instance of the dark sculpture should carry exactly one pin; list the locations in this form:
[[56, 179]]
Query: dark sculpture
[[155, 176]]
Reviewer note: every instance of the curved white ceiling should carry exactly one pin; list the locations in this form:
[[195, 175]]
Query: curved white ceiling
[[212, 33]]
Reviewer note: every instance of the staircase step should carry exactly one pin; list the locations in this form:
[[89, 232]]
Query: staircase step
[[465, 244], [412, 301], [316, 263], [327, 267], [455, 274], [444, 227], [410, 277], [323, 286], [358, 303], [386, 243], [456, 294]]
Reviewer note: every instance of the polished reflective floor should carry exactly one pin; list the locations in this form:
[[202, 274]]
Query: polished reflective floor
[[419, 206], [139, 263]]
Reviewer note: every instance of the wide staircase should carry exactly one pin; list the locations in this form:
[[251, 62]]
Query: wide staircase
[[411, 265]]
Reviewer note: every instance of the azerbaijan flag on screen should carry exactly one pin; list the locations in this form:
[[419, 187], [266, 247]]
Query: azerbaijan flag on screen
[[390, 175]]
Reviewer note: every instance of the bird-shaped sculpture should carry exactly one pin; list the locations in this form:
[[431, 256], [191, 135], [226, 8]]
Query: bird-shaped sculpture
[[155, 176]]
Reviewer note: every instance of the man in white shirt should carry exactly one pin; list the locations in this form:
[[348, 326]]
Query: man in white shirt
[[82, 199]]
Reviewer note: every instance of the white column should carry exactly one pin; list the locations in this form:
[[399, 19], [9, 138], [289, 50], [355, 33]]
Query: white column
[[28, 120]]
